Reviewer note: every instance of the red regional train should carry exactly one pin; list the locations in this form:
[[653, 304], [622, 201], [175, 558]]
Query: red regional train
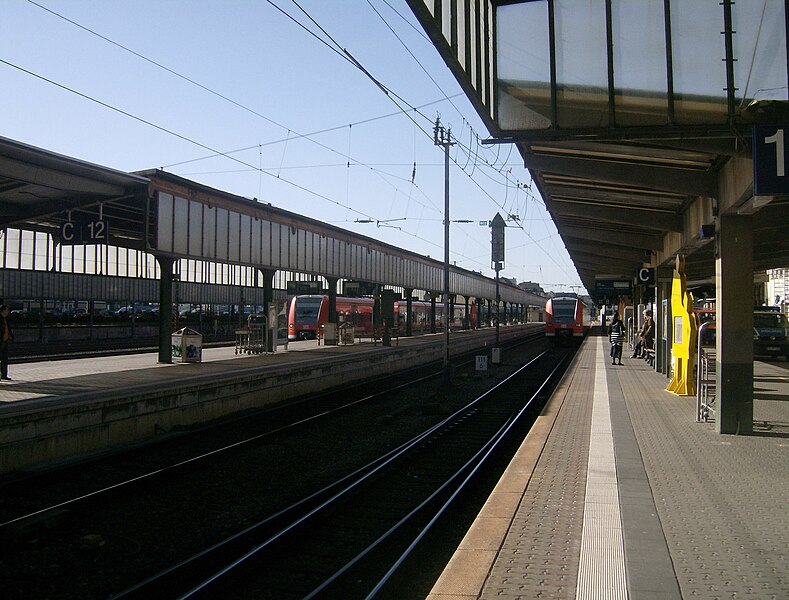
[[567, 318], [308, 313]]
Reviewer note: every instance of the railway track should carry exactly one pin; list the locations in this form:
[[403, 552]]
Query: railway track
[[349, 539], [23, 502], [198, 502]]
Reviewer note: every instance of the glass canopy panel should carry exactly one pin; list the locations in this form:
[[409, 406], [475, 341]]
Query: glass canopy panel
[[640, 72], [581, 63], [698, 50], [473, 68], [446, 19], [460, 30], [523, 66], [760, 50], [641, 98]]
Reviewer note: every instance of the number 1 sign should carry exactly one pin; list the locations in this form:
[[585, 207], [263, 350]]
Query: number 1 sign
[[769, 160]]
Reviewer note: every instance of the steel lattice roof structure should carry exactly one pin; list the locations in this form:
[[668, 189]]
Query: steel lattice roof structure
[[635, 119]]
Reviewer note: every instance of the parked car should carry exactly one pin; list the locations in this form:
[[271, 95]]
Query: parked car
[[770, 334]]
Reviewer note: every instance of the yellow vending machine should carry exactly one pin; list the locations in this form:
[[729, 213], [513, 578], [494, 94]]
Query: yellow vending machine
[[684, 331]]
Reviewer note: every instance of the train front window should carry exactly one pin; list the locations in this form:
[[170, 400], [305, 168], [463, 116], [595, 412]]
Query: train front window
[[563, 312], [307, 310]]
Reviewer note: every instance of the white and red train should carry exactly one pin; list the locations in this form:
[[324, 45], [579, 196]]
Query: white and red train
[[308, 313], [567, 318]]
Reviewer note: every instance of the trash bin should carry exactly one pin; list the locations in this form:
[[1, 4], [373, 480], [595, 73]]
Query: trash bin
[[329, 334], [187, 345]]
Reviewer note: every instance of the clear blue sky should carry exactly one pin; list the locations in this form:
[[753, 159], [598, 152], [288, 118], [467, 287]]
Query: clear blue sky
[[298, 124]]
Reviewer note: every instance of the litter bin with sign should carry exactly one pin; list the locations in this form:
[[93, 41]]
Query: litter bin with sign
[[187, 345], [329, 334]]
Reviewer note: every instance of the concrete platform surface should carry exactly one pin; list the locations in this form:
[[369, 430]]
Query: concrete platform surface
[[619, 493]]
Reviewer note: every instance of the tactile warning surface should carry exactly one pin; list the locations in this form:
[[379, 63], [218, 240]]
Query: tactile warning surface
[[540, 556]]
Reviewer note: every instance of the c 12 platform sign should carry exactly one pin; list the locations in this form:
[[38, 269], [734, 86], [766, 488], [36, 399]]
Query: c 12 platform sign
[[770, 153], [85, 231]]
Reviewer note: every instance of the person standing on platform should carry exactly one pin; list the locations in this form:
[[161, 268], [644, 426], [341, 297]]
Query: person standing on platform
[[617, 337], [8, 335]]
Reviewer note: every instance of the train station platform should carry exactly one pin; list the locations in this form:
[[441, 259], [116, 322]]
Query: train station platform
[[617, 492]]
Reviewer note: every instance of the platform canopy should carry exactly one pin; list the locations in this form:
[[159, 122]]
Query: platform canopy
[[634, 117], [41, 190]]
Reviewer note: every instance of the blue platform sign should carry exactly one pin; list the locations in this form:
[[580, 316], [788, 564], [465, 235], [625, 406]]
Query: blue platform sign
[[612, 288], [769, 160]]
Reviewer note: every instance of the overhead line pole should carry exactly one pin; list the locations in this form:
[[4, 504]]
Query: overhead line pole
[[442, 137]]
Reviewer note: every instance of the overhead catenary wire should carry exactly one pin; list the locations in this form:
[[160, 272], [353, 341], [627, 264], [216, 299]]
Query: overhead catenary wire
[[175, 73], [157, 64], [187, 139], [309, 136], [387, 91], [334, 46], [169, 131], [472, 157]]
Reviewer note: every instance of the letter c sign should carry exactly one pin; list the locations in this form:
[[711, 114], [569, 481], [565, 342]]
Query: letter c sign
[[646, 276], [67, 232]]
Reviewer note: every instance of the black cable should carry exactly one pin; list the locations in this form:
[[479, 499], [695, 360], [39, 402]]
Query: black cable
[[395, 98], [343, 54], [407, 49], [206, 88], [161, 66]]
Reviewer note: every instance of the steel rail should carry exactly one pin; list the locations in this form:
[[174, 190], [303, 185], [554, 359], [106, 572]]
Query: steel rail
[[310, 505], [482, 459], [172, 468], [369, 471]]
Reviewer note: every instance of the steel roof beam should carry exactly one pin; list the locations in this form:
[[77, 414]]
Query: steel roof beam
[[629, 238], [648, 134], [642, 217], [612, 263], [678, 181], [590, 190], [577, 245]]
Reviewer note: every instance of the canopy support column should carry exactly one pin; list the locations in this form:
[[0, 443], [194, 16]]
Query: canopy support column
[[165, 308], [734, 321]]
